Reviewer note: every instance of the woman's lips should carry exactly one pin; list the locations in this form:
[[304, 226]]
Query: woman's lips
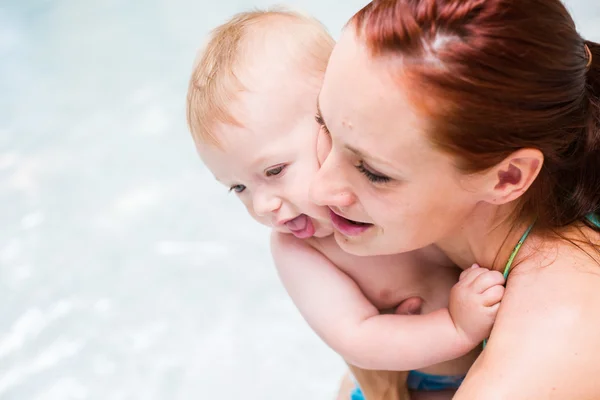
[[347, 226]]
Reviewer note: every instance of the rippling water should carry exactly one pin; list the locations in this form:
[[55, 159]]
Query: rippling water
[[126, 272]]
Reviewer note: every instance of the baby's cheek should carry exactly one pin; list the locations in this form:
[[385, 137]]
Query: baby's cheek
[[250, 209], [323, 146]]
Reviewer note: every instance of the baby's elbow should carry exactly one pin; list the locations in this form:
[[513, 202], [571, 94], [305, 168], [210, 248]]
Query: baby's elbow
[[365, 361], [353, 350]]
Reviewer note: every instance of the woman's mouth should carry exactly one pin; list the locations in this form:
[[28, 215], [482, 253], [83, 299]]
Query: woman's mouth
[[347, 226]]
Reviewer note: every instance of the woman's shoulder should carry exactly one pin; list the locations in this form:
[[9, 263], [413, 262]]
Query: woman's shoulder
[[548, 315], [557, 282], [571, 252], [556, 278]]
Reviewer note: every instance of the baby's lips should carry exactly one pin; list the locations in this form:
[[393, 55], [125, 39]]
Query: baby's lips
[[298, 223]]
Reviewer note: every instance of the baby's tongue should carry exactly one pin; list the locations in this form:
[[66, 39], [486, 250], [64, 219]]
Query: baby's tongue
[[298, 223]]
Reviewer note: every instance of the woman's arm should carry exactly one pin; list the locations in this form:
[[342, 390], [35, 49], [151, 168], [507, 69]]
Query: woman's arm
[[546, 340]]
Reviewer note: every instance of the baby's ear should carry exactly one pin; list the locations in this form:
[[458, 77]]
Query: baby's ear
[[323, 146]]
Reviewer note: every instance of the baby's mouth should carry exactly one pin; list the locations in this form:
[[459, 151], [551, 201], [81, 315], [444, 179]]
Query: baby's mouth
[[302, 226]]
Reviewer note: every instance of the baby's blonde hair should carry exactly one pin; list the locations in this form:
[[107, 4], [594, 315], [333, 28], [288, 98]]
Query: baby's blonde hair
[[215, 80]]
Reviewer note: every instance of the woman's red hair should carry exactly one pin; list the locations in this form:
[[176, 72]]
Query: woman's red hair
[[502, 75]]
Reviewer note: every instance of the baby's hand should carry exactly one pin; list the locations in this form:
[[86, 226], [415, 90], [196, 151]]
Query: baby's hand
[[474, 302]]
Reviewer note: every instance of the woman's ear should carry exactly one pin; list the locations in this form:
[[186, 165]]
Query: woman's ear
[[509, 179]]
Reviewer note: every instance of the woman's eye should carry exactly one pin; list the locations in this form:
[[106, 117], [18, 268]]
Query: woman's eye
[[274, 171], [372, 176], [237, 188]]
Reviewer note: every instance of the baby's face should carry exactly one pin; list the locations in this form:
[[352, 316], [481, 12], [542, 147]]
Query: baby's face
[[270, 161]]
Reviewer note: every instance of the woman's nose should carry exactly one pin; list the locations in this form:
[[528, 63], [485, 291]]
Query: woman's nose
[[329, 187]]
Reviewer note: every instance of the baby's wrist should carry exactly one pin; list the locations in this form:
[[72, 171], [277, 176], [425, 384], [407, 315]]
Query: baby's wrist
[[466, 342]]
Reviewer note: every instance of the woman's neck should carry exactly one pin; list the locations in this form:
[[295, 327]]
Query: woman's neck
[[487, 238]]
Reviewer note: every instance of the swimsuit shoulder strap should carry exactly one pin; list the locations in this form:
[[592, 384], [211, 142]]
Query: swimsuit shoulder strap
[[593, 219], [516, 250], [512, 258]]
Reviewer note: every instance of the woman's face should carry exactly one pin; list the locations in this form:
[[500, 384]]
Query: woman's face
[[388, 189]]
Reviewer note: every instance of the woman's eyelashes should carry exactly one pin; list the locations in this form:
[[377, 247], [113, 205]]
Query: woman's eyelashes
[[371, 175], [321, 123]]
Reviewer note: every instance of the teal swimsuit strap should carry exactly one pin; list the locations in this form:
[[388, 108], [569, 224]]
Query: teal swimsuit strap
[[511, 259], [516, 250], [594, 219]]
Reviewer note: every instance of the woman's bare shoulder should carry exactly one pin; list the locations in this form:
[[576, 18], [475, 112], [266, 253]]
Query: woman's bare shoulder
[[557, 274], [547, 327], [552, 291]]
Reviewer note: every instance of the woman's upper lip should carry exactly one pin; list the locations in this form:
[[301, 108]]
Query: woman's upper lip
[[333, 210]]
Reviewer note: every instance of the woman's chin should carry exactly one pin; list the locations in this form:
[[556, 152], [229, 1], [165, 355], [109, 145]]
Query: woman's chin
[[369, 243], [356, 245]]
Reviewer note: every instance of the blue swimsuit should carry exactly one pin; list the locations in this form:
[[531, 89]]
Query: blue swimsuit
[[421, 381]]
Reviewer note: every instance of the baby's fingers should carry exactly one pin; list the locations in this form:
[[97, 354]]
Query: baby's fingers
[[469, 275], [487, 280], [492, 296]]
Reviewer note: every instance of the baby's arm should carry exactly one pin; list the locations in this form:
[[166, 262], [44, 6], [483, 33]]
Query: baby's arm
[[336, 309]]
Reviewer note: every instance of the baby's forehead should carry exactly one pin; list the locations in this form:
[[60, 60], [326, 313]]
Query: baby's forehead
[[277, 71], [269, 57], [241, 151], [275, 102], [238, 144], [274, 60], [223, 158]]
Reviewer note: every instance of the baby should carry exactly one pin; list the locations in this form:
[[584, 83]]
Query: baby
[[251, 108]]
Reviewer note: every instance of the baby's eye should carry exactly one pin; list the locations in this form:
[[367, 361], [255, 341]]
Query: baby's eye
[[237, 188], [274, 171]]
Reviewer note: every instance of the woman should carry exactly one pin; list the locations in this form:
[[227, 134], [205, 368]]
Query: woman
[[475, 125]]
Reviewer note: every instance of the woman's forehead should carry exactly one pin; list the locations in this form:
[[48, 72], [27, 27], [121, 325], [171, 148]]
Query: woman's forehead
[[357, 82], [367, 108]]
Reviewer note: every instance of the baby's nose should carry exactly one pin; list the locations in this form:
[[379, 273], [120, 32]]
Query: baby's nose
[[265, 205]]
